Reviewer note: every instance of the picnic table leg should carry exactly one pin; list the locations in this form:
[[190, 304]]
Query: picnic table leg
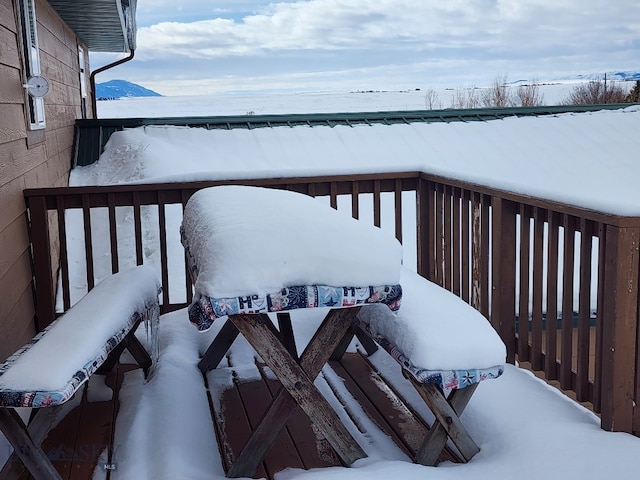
[[297, 380], [287, 338], [138, 352], [447, 424], [219, 347], [26, 447]]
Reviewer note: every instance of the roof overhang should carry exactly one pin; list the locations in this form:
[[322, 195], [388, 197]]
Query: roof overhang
[[103, 25]]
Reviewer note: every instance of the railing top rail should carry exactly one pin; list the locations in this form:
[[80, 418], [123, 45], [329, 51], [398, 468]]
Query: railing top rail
[[387, 184], [576, 211]]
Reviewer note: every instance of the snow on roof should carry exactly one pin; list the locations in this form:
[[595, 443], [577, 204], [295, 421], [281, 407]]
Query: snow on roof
[[584, 159]]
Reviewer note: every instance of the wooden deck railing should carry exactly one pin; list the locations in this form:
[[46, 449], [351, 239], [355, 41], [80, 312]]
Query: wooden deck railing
[[559, 283]]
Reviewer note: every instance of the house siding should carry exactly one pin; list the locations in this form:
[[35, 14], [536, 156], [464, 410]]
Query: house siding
[[31, 159]]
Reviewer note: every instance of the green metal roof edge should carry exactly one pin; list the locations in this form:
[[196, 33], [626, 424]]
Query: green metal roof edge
[[332, 119]]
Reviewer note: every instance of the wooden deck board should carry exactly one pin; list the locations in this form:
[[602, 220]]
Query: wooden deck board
[[314, 450], [300, 445], [384, 406], [256, 398], [232, 427], [75, 444]]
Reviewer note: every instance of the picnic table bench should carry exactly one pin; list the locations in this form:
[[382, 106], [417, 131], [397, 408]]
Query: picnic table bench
[[445, 349], [45, 373], [254, 251]]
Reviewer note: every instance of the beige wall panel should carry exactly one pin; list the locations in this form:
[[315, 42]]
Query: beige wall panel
[[52, 46], [58, 72], [54, 173], [59, 116], [9, 52], [13, 285], [7, 15], [16, 160], [57, 93], [12, 201], [11, 90], [54, 70], [14, 242], [51, 143], [15, 333], [50, 20], [65, 139], [12, 123]]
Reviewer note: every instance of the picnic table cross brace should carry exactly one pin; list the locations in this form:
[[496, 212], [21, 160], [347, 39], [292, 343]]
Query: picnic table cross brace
[[296, 377]]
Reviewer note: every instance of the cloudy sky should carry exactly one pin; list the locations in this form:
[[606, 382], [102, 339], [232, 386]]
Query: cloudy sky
[[209, 46]]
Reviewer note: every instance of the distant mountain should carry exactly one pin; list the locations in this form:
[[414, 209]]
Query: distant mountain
[[628, 76], [114, 89]]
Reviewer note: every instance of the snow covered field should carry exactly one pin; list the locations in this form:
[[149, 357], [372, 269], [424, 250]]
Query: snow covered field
[[303, 102]]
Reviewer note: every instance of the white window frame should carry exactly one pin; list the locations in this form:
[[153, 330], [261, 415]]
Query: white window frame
[[32, 61], [83, 80]]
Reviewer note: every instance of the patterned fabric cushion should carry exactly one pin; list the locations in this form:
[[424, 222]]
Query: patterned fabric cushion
[[445, 379], [205, 310]]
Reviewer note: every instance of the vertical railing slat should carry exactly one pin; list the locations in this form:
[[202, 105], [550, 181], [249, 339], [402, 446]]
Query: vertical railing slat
[[584, 313], [485, 254], [376, 203], [455, 267], [424, 232], [447, 239], [476, 251], [355, 199], [551, 345], [162, 225], [64, 257], [113, 236], [566, 352], [184, 194], [397, 193], [538, 265], [523, 286], [88, 241], [137, 228], [466, 246], [333, 195]]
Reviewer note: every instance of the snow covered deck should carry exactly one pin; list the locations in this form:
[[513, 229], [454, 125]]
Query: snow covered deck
[[451, 226], [164, 428]]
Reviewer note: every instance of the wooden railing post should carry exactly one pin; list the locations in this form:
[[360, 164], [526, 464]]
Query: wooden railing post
[[620, 328], [503, 270], [423, 240], [44, 291]]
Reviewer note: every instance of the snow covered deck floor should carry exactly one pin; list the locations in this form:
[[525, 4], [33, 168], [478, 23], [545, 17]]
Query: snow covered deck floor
[[80, 444], [237, 411]]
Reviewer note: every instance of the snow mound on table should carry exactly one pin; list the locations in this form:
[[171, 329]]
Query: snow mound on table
[[248, 240]]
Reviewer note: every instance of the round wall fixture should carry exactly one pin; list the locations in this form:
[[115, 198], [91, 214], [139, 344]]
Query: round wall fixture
[[37, 86]]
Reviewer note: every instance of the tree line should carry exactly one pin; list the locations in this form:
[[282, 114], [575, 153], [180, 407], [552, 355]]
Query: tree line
[[501, 95]]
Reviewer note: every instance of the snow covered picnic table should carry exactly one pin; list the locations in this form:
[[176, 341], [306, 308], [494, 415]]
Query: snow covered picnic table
[[254, 251]]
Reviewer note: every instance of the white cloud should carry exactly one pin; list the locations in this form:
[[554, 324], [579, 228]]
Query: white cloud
[[299, 39]]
